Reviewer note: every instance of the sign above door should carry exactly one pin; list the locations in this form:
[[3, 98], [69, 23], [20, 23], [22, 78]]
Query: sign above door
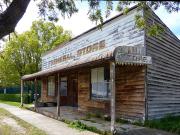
[[131, 55]]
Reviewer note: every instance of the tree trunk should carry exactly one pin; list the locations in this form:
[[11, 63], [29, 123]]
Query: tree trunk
[[11, 16]]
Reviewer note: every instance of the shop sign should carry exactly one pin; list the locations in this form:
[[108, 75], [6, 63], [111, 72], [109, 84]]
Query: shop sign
[[131, 55]]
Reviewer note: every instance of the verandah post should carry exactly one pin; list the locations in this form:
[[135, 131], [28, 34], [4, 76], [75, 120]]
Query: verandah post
[[35, 87], [112, 79], [22, 86], [58, 97]]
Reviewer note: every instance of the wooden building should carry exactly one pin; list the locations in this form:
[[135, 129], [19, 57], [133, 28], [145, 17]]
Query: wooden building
[[116, 70]]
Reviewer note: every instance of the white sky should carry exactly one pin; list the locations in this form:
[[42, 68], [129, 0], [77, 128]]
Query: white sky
[[80, 22]]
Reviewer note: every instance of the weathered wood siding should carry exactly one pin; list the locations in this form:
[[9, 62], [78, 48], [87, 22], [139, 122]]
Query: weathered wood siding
[[130, 92], [163, 76]]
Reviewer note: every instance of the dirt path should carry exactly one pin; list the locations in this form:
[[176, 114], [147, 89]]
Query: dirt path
[[50, 126]]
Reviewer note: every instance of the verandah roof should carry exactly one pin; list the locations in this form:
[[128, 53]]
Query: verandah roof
[[73, 63], [124, 55]]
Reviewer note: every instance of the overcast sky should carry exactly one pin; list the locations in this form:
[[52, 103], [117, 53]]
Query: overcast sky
[[80, 22]]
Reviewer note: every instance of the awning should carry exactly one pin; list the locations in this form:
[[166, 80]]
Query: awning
[[124, 55]]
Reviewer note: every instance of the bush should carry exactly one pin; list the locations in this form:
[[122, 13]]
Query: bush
[[15, 97]]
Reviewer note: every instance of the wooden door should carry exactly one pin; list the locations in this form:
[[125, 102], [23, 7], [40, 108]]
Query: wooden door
[[73, 90]]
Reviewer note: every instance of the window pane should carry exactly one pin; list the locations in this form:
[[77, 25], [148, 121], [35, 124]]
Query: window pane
[[94, 75], [100, 73], [63, 86], [102, 88], [51, 86], [94, 90]]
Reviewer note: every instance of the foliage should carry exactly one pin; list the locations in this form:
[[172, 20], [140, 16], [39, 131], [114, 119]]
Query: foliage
[[8, 75], [50, 9], [22, 54], [168, 123], [15, 97]]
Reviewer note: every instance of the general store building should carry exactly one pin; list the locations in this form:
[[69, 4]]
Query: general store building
[[117, 70]]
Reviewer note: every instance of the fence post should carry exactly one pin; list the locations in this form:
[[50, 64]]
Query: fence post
[[22, 92], [4, 90], [35, 87]]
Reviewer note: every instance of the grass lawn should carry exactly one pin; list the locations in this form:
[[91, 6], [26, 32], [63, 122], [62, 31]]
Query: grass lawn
[[15, 125], [14, 103], [169, 123]]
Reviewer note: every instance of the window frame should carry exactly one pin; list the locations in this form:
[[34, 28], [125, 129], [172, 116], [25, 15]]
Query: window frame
[[106, 79]]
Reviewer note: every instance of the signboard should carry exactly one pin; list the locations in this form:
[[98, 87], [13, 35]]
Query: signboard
[[85, 50], [131, 55]]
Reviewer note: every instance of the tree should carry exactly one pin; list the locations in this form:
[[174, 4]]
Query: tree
[[8, 75], [22, 54], [49, 9]]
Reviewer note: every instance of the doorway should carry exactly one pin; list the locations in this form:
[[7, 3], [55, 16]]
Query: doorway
[[73, 89]]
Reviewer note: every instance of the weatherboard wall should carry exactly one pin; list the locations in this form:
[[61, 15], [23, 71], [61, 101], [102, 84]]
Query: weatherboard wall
[[163, 76], [97, 43]]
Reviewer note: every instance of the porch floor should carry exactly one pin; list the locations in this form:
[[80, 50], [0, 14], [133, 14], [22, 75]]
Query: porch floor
[[72, 114], [66, 112]]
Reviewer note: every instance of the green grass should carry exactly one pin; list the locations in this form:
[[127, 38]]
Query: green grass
[[168, 123], [17, 104], [7, 130], [11, 103]]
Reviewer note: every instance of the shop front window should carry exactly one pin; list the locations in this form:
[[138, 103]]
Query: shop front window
[[100, 88]]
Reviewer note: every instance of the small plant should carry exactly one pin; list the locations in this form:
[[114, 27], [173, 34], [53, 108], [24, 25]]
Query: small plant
[[107, 117], [98, 115], [78, 125], [88, 115], [119, 120], [81, 126], [138, 123]]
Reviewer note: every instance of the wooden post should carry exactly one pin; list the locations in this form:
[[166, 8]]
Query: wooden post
[[35, 90], [58, 98], [112, 79], [22, 92], [4, 90]]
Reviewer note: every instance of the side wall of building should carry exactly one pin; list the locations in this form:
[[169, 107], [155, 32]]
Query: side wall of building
[[163, 76]]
